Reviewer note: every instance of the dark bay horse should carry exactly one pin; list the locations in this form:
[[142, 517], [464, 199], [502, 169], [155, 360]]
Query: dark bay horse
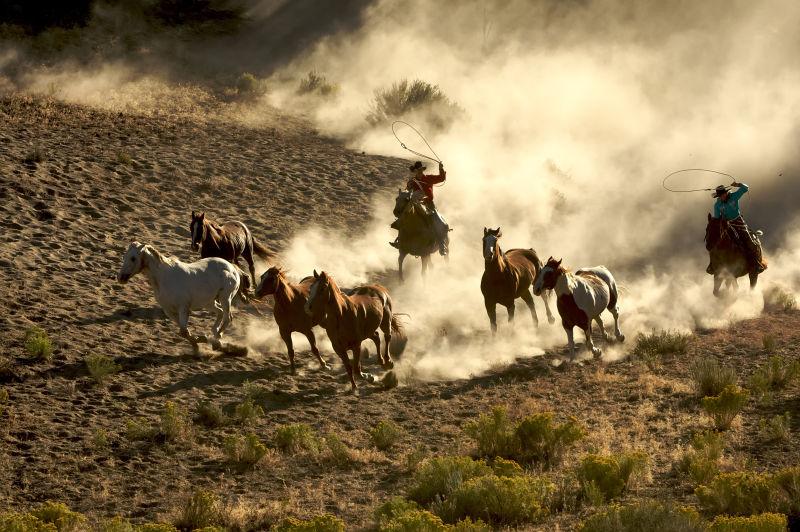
[[728, 259], [351, 319], [508, 276], [416, 235], [229, 241], [289, 310]]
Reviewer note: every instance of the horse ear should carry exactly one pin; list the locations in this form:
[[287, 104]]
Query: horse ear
[[316, 275], [559, 262], [202, 215], [485, 231], [192, 214], [499, 232]]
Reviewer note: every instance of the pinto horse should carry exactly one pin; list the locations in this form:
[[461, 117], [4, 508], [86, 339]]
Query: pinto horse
[[289, 310], [508, 276], [180, 287], [228, 241], [728, 259], [351, 319], [581, 297]]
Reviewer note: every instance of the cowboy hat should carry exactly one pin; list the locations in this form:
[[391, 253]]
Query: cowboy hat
[[417, 166], [719, 191]]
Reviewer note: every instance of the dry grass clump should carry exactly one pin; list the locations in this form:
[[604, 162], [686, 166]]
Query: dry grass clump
[[100, 367], [316, 83], [779, 298], [605, 477], [657, 344], [410, 100], [34, 156], [769, 342], [336, 452], [534, 439], [249, 86], [38, 344], [3, 400], [247, 412], [297, 437], [209, 415], [776, 429], [244, 451], [645, 515], [385, 434], [710, 377], [701, 461], [776, 374], [320, 523], [203, 509], [724, 407], [173, 426]]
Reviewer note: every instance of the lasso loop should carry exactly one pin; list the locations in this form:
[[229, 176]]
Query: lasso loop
[[664, 181], [435, 157]]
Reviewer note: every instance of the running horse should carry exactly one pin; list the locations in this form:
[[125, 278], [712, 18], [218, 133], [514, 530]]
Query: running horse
[[416, 235], [351, 319], [581, 297], [508, 276], [228, 241], [289, 310], [728, 259]]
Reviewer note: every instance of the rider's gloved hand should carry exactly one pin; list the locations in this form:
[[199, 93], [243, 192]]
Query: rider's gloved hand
[[441, 166]]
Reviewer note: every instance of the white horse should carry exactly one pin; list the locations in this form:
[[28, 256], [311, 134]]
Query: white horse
[[180, 287], [581, 297]]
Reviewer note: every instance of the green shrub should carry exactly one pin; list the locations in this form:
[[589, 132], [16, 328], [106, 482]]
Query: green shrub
[[710, 377], [156, 527], [100, 367], [244, 451], [498, 500], [248, 85], [776, 374], [137, 430], [770, 342], [247, 413], [394, 507], [316, 83], [174, 425], [416, 520], [493, 433], [202, 509], [116, 524], [297, 437], [417, 97], [56, 513], [385, 434], [320, 523], [337, 452], [17, 522], [701, 461], [755, 523], [255, 392], [726, 406], [506, 468], [438, 477], [787, 487], [739, 493], [651, 347], [209, 415], [38, 344], [776, 429], [611, 475], [641, 516]]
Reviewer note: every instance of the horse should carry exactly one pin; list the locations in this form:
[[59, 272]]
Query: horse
[[289, 310], [351, 319], [181, 287], [229, 241], [508, 276], [416, 234], [728, 260], [581, 297]]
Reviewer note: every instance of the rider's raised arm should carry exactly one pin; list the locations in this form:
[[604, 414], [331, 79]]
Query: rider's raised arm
[[740, 191], [433, 179]]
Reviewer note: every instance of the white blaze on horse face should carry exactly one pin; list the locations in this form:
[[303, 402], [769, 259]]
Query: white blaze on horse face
[[312, 295], [538, 283], [197, 233], [489, 242]]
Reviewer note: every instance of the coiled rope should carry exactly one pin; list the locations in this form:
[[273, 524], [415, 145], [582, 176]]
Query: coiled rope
[[435, 157]]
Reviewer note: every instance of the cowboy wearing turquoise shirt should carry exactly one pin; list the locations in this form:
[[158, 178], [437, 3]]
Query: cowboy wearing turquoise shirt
[[727, 207]]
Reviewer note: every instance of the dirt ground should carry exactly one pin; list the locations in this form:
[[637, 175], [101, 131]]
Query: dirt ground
[[107, 178]]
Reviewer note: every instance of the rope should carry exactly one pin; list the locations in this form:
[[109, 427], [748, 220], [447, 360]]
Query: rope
[[437, 159], [664, 181]]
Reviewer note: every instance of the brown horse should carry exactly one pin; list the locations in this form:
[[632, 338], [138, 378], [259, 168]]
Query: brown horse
[[228, 241], [508, 276], [289, 311], [728, 260], [351, 319], [416, 235]]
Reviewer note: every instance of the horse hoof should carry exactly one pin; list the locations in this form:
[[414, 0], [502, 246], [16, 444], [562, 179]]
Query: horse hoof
[[369, 377], [389, 365], [325, 366], [620, 338], [596, 352]]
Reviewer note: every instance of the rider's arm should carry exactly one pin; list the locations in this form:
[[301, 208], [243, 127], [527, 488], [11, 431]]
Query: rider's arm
[[433, 179], [740, 191]]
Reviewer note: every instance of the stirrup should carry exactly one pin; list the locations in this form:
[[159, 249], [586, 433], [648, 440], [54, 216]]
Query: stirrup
[[395, 244]]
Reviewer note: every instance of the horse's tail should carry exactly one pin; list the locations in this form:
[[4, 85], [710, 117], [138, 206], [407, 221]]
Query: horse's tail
[[399, 337], [261, 250]]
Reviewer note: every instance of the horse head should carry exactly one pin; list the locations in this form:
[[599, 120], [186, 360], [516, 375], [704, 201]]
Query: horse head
[[197, 229], [133, 262], [268, 284], [401, 202], [715, 231], [318, 295], [490, 238], [547, 276]]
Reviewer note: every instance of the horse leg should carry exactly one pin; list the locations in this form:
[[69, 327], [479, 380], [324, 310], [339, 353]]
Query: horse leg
[[386, 328], [753, 280], [617, 331], [602, 326], [342, 352], [247, 254], [376, 339], [511, 308], [528, 299], [216, 330], [717, 284], [313, 343], [286, 335], [400, 260], [589, 342], [546, 298], [426, 262], [183, 323], [227, 305], [357, 365], [491, 310], [570, 342]]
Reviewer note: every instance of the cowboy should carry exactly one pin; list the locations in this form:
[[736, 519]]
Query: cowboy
[[727, 208], [419, 181]]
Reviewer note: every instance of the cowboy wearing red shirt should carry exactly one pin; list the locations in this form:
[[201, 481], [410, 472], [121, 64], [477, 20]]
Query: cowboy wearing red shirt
[[421, 182]]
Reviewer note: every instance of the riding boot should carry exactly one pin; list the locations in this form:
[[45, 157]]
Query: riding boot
[[395, 224], [396, 243], [710, 270]]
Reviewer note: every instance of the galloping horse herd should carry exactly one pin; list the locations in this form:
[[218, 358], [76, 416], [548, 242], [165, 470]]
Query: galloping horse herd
[[352, 315]]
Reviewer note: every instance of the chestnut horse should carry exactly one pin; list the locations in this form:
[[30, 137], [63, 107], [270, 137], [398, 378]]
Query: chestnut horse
[[508, 276], [728, 259], [351, 319], [228, 241], [289, 310], [581, 297]]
